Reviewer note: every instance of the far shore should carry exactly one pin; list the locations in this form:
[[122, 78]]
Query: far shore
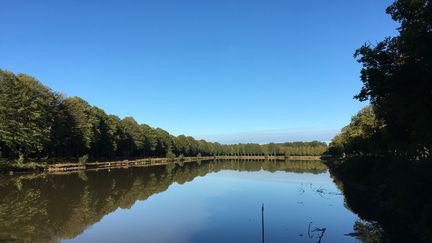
[[145, 162]]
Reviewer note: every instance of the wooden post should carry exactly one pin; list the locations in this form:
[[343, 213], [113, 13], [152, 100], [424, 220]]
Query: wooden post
[[262, 222]]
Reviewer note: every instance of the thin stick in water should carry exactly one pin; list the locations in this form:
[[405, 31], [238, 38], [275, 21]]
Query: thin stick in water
[[262, 222]]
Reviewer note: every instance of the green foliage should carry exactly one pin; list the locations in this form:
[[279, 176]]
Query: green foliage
[[26, 114], [181, 157], [83, 159], [163, 141], [39, 123], [20, 159], [397, 79], [134, 132], [361, 137], [388, 145], [170, 155]]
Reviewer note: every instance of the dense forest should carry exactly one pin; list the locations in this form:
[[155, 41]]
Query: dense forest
[[397, 80], [37, 123], [385, 152]]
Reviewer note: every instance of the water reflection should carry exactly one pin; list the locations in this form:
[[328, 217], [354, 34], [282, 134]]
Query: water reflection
[[220, 207]]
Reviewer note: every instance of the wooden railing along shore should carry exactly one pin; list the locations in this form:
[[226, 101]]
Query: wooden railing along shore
[[164, 161]]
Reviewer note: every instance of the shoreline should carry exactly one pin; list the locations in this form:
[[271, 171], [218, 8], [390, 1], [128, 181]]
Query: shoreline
[[146, 162]]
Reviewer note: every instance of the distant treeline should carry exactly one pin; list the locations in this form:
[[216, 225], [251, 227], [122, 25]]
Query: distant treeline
[[37, 123]]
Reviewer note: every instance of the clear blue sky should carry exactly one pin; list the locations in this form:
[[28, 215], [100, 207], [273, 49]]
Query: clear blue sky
[[224, 70]]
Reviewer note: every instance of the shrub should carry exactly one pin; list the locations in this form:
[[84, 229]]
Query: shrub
[[83, 159], [170, 155], [20, 159]]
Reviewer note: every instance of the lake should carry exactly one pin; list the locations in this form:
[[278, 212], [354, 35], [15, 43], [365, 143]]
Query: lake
[[214, 201]]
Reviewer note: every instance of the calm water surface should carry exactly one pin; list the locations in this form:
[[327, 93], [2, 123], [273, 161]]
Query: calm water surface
[[217, 201]]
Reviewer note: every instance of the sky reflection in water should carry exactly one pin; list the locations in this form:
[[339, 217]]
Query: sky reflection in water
[[225, 206]]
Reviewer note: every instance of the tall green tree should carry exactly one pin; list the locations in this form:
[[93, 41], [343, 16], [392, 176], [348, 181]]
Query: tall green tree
[[133, 129], [82, 121], [164, 142], [124, 141], [363, 136], [104, 129], [397, 78], [36, 122], [149, 140], [26, 114]]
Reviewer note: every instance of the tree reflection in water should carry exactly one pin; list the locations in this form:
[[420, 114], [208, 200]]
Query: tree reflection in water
[[52, 207]]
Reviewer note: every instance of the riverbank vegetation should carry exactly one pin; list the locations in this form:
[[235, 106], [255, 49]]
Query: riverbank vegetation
[[385, 152], [38, 125], [397, 80]]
